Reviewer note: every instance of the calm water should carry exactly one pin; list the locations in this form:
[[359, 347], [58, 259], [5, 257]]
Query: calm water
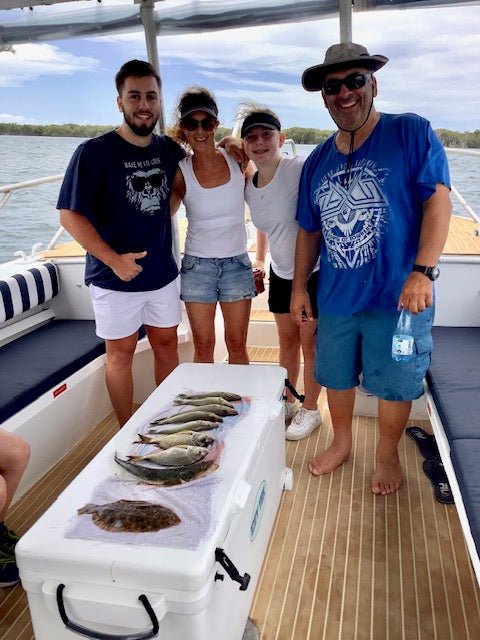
[[30, 215]]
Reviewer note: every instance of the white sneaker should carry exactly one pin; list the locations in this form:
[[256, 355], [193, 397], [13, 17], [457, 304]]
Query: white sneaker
[[302, 425], [291, 410]]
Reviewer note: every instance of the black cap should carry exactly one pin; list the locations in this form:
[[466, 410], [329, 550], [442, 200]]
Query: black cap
[[260, 119], [198, 102]]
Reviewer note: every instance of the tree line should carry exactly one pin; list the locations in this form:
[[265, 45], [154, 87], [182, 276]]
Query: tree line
[[301, 135]]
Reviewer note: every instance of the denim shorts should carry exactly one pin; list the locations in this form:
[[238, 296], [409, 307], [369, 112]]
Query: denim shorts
[[280, 292], [213, 280], [348, 346]]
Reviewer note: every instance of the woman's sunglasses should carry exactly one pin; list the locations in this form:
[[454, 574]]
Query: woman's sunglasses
[[192, 124], [354, 81]]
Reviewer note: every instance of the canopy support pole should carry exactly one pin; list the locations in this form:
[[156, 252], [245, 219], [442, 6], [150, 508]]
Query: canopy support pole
[[345, 13], [148, 20]]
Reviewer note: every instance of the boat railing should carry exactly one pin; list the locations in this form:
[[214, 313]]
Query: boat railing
[[7, 190]]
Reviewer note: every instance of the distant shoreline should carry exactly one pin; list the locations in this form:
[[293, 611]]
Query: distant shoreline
[[301, 135]]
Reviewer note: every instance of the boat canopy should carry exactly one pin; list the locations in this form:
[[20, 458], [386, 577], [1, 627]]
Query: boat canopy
[[80, 18]]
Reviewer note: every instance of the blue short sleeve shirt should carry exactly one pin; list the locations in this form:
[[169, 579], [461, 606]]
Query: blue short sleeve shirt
[[370, 220]]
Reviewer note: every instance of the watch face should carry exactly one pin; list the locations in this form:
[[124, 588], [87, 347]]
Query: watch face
[[434, 273]]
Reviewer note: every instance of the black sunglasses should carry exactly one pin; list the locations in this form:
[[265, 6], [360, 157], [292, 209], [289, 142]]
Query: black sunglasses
[[191, 124], [354, 81]]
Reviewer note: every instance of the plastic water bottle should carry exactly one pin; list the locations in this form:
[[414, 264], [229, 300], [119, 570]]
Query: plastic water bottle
[[403, 340]]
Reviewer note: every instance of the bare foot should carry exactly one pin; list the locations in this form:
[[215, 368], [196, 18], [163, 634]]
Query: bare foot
[[329, 459], [387, 477]]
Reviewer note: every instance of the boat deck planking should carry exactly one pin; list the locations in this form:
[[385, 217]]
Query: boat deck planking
[[341, 564]]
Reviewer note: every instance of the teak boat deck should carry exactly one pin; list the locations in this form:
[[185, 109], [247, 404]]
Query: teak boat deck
[[342, 564]]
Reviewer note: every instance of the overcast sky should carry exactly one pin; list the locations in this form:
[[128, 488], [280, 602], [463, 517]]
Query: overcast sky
[[433, 69]]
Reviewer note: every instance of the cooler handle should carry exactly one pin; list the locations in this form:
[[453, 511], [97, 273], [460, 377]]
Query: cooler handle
[[90, 633], [222, 558]]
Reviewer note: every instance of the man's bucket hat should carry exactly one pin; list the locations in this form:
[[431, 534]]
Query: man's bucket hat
[[341, 56]]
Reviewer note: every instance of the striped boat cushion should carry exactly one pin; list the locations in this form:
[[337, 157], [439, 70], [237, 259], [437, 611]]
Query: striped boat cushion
[[21, 292]]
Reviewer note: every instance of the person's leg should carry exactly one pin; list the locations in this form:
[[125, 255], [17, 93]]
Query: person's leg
[[311, 387], [164, 345], [161, 316], [14, 456], [392, 419], [202, 323], [236, 288], [337, 369], [236, 316], [396, 384], [340, 404], [118, 375], [289, 343]]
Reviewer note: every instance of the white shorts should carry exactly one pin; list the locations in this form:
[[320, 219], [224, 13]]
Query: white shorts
[[118, 314]]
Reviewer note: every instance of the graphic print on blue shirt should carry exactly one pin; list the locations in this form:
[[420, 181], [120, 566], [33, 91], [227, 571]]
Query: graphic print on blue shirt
[[354, 215]]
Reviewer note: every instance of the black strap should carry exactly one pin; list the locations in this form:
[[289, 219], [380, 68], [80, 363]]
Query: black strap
[[293, 391]]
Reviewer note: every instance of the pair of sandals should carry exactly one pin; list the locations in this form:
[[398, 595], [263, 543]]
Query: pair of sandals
[[432, 465]]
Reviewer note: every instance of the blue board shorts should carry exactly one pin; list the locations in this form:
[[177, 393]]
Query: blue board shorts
[[348, 346], [211, 280]]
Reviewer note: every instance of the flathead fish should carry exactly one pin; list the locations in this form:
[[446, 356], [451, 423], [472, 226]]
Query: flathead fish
[[134, 516], [177, 456], [167, 476], [194, 438], [226, 395], [196, 425], [188, 416]]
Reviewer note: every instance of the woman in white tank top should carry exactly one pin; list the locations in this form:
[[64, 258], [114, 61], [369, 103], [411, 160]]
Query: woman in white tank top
[[215, 266]]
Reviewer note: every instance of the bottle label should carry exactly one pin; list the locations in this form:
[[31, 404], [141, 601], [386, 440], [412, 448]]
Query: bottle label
[[402, 345]]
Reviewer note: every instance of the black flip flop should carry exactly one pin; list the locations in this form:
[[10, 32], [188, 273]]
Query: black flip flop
[[425, 442], [435, 471]]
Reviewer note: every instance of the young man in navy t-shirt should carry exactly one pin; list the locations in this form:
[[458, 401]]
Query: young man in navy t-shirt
[[114, 201]]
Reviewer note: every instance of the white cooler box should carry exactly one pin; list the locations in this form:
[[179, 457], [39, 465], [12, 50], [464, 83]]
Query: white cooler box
[[115, 590]]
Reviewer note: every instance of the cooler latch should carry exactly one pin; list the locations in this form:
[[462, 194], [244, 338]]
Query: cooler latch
[[222, 558]]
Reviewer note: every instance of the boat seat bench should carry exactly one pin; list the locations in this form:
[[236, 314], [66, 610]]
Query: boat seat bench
[[453, 382], [35, 362]]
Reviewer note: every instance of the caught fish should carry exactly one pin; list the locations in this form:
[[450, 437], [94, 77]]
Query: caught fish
[[226, 395], [131, 515], [167, 476], [199, 402], [177, 456], [188, 416], [196, 425], [220, 410], [190, 437]]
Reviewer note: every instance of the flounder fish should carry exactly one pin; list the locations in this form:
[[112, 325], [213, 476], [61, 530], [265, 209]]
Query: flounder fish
[[131, 515], [194, 438], [196, 425], [226, 395], [199, 402], [188, 416], [178, 456], [167, 476]]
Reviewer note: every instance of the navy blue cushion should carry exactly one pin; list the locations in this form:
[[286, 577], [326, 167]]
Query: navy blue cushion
[[41, 360], [465, 456], [454, 380]]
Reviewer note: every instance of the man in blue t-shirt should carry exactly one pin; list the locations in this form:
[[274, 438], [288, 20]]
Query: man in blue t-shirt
[[374, 203], [114, 201]]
